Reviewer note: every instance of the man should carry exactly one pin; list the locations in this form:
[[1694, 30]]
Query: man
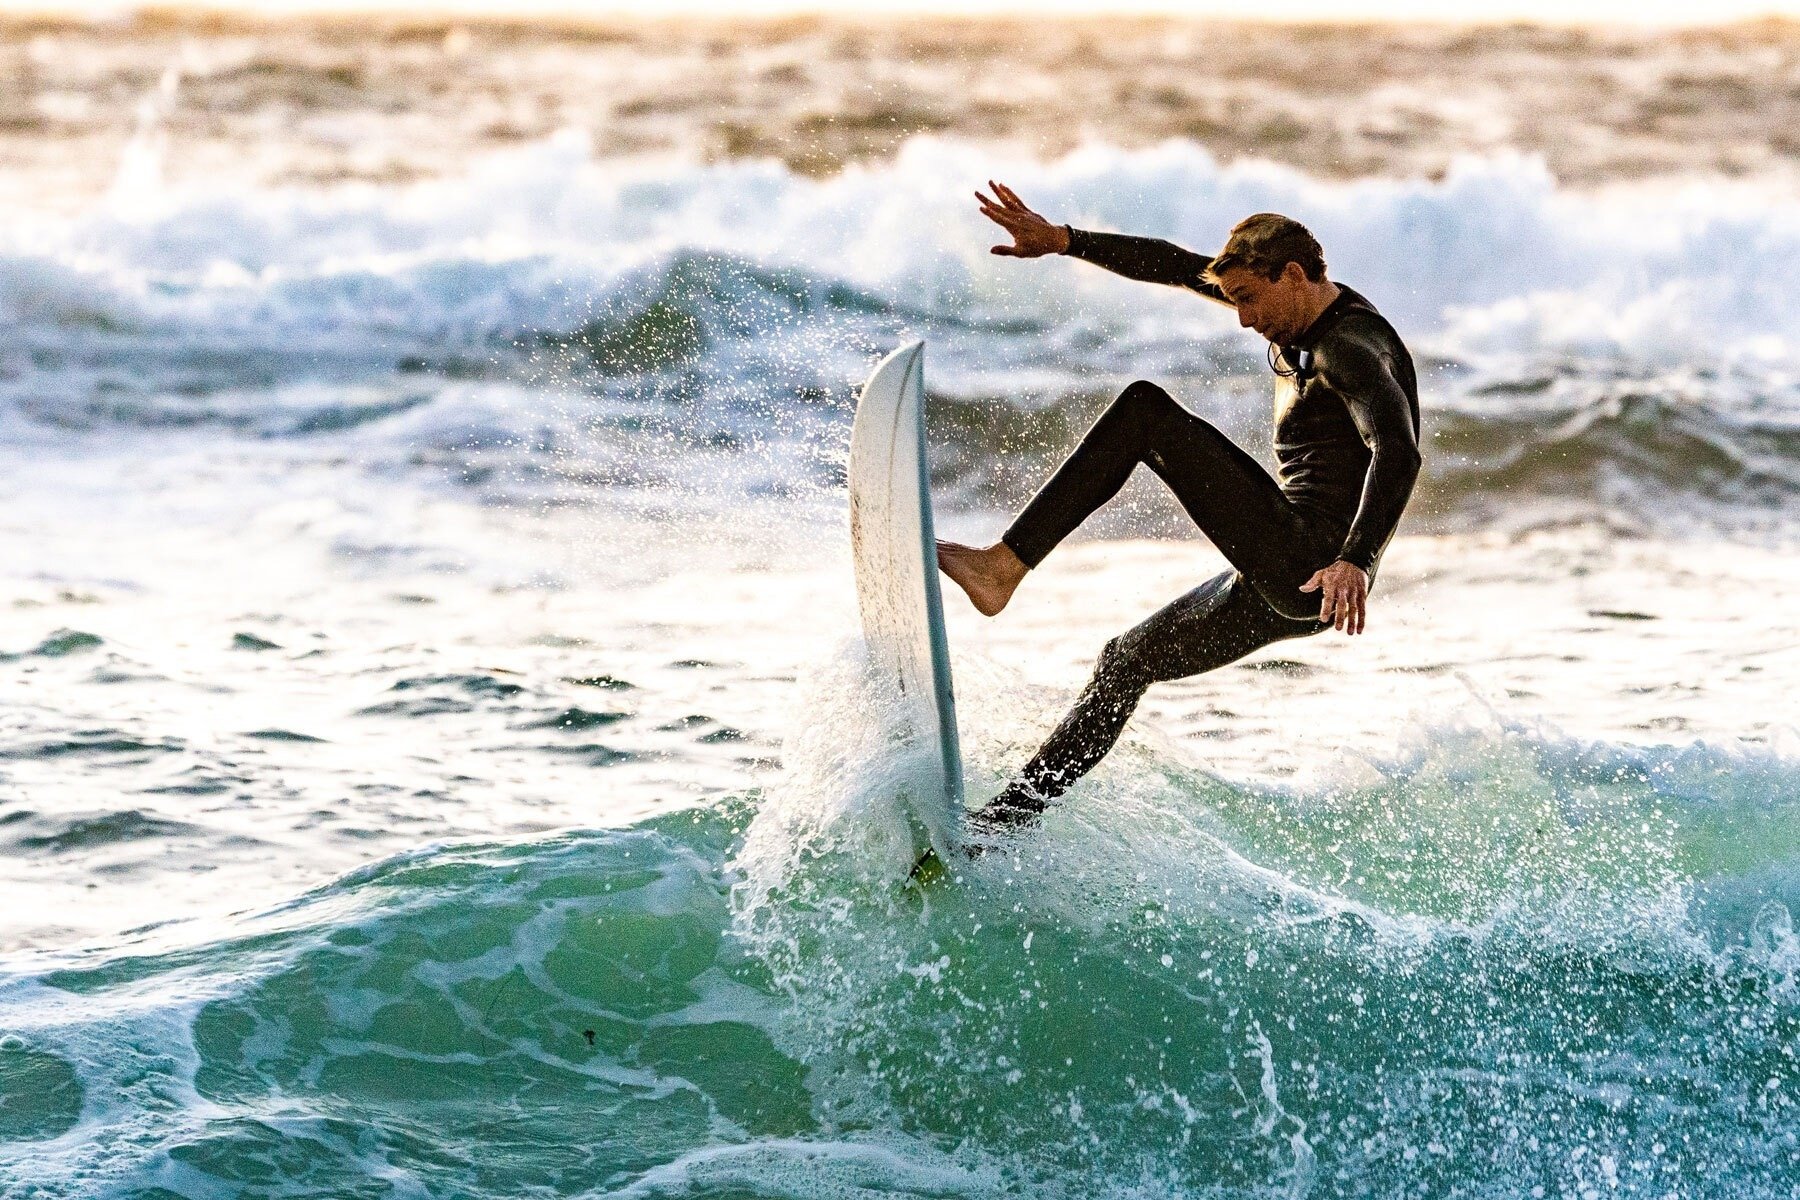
[[1346, 448]]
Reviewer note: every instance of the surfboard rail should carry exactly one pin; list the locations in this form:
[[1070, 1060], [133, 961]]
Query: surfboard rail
[[894, 549]]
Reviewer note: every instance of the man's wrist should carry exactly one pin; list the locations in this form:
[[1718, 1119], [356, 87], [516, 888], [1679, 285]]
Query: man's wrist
[[1068, 238]]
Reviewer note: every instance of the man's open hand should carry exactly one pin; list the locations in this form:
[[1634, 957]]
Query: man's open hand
[[1032, 236], [1346, 595]]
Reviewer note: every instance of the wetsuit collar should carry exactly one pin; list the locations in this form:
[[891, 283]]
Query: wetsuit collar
[[1334, 312], [1295, 359]]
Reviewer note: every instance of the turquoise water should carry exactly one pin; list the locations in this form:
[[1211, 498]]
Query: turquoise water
[[1508, 962]]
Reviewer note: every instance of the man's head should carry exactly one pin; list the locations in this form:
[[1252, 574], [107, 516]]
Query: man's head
[[1273, 272]]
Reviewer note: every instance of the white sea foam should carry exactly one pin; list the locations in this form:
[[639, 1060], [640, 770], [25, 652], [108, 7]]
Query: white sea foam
[[1494, 257]]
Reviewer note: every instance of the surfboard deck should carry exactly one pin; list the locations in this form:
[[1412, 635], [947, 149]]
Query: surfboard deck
[[894, 549]]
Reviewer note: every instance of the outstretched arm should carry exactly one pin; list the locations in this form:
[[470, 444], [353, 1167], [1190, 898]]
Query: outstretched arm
[[1150, 260]]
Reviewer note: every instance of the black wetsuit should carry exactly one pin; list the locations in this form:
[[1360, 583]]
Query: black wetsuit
[[1347, 451]]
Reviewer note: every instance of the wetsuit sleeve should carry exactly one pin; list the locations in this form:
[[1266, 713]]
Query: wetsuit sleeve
[[1150, 260], [1360, 373]]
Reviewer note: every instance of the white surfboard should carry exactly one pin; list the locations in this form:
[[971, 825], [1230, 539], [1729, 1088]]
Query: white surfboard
[[896, 572]]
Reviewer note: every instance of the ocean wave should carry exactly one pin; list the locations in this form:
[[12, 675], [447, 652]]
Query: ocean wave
[[1485, 258], [556, 321], [1642, 455], [1499, 961], [454, 254]]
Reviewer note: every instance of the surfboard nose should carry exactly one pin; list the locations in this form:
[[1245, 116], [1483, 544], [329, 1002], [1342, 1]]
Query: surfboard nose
[[892, 372]]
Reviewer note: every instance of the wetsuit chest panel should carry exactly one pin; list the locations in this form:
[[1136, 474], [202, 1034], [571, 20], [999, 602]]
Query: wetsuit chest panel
[[1320, 457]]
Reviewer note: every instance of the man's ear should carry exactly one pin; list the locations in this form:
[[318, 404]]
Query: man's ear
[[1294, 273]]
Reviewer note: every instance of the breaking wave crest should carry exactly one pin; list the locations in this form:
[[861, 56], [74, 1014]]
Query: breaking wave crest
[[1503, 960], [554, 316]]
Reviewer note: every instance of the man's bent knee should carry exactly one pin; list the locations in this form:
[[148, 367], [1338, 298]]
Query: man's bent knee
[[1156, 412], [1142, 407], [1142, 391], [1121, 667]]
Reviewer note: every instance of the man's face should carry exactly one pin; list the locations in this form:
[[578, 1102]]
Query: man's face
[[1275, 308]]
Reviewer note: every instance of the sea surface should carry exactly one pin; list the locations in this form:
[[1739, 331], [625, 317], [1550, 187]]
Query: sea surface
[[438, 759]]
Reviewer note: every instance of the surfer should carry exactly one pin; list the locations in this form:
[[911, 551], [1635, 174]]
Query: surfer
[[1346, 450]]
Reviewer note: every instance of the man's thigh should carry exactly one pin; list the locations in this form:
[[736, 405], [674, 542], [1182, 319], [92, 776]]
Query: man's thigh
[[1217, 623]]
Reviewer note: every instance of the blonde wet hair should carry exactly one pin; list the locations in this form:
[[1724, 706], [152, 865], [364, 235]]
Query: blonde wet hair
[[1267, 243]]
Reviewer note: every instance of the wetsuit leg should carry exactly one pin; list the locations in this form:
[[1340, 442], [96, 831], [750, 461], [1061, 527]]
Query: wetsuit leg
[[1272, 543], [1217, 623]]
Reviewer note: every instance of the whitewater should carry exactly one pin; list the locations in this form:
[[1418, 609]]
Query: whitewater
[[438, 757]]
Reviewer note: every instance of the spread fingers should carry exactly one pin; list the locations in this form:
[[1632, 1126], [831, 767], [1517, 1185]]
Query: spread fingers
[[1008, 195]]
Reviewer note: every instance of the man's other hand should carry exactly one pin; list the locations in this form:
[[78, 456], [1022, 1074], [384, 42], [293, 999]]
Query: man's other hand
[[1032, 236], [1345, 598]]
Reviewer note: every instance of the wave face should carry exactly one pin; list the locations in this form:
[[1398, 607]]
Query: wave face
[[1503, 961], [553, 322]]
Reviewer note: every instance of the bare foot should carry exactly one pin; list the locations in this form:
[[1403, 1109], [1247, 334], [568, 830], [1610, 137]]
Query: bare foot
[[989, 575]]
